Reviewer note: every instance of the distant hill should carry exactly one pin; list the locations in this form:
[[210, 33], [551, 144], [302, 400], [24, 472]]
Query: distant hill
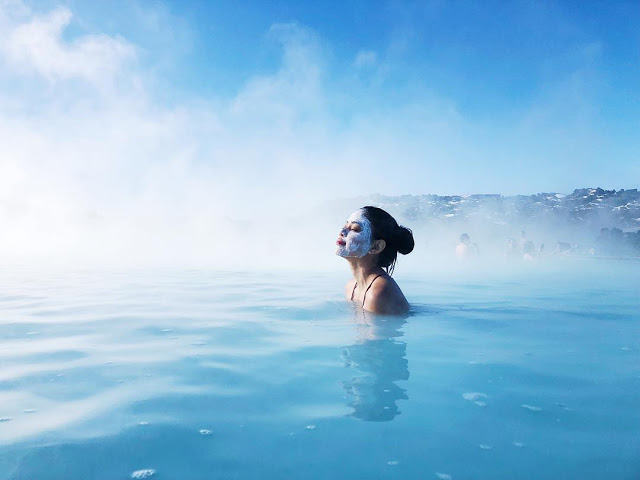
[[592, 208], [577, 218]]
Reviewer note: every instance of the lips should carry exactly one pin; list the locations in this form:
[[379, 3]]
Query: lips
[[340, 242]]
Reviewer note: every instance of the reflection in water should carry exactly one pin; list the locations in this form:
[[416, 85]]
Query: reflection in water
[[379, 360]]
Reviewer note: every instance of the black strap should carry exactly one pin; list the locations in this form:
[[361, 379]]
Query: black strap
[[364, 298]]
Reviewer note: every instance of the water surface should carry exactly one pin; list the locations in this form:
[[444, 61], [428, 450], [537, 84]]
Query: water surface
[[201, 375]]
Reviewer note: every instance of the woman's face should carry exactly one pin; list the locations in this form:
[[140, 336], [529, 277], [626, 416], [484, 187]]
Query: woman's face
[[355, 237]]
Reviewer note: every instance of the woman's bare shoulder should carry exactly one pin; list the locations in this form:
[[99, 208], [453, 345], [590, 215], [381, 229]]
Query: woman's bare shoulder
[[385, 296]]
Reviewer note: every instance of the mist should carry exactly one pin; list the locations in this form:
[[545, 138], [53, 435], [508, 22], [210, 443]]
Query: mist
[[97, 167]]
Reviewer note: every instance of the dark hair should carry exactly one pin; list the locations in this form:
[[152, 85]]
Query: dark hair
[[397, 238]]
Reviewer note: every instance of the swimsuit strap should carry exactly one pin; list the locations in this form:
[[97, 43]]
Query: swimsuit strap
[[364, 298]]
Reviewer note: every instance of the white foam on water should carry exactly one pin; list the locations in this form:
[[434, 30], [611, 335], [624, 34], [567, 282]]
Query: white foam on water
[[30, 410], [484, 446], [533, 408], [204, 431], [310, 427], [145, 473], [518, 444], [393, 462], [443, 476], [143, 423], [475, 397]]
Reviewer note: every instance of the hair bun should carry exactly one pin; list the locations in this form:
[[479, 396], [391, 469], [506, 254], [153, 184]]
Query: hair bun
[[404, 240]]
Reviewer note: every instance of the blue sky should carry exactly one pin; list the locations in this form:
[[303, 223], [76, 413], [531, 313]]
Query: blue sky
[[487, 57], [124, 109]]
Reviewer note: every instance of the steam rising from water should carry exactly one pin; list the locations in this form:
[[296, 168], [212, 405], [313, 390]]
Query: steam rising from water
[[95, 169]]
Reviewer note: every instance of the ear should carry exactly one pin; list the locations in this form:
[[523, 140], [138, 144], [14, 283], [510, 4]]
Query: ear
[[377, 247]]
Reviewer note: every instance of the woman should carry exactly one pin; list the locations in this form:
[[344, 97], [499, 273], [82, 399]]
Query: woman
[[370, 241]]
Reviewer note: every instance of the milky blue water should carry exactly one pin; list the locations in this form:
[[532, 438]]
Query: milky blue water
[[203, 375]]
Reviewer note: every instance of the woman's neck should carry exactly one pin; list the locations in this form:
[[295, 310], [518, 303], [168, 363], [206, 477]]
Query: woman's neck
[[363, 268]]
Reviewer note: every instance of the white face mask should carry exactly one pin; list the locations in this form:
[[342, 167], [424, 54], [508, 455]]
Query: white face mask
[[356, 244]]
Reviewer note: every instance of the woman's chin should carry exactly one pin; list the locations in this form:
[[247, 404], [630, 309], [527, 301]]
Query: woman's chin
[[343, 252]]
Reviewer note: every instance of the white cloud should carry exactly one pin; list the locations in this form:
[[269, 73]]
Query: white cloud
[[37, 46]]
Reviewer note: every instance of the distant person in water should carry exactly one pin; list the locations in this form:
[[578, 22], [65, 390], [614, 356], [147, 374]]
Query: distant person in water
[[466, 249], [512, 247], [522, 241], [529, 251], [562, 248], [370, 241]]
